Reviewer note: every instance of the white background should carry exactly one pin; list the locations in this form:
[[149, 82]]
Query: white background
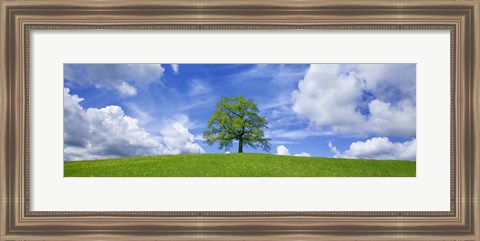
[[429, 191]]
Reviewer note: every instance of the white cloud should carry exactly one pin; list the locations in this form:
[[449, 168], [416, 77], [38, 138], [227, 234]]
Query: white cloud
[[185, 121], [379, 148], [125, 89], [179, 140], [138, 113], [334, 150], [303, 154], [288, 134], [282, 150], [103, 133], [198, 87], [280, 142], [199, 138], [175, 68], [359, 99], [75, 128], [327, 98], [388, 119], [380, 78], [118, 77], [108, 133]]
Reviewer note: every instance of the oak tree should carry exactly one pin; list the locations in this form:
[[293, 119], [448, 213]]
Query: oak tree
[[236, 118]]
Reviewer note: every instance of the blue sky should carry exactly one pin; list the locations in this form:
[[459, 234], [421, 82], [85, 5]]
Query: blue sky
[[328, 110]]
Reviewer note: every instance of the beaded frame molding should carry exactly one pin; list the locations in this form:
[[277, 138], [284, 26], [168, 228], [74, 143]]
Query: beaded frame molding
[[19, 18]]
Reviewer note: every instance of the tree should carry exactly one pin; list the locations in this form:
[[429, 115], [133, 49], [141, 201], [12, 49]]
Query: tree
[[236, 118]]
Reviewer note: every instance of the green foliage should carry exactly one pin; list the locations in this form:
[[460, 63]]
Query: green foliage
[[238, 165], [236, 118]]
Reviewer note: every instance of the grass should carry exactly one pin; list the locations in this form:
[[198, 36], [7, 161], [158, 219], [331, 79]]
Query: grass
[[238, 165]]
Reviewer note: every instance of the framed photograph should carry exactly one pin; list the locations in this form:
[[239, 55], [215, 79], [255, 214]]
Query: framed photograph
[[253, 120]]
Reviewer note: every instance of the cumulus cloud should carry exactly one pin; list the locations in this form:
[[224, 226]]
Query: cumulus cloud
[[75, 128], [175, 68], [327, 98], [99, 133], [359, 99], [103, 133], [282, 150], [388, 119], [117, 77], [177, 137], [303, 154], [388, 81], [379, 148], [179, 140]]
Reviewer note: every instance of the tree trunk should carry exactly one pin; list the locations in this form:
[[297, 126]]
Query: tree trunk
[[240, 145]]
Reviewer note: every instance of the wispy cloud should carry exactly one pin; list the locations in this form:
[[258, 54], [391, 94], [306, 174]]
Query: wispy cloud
[[282, 142], [297, 134], [199, 103], [138, 113], [175, 68], [199, 87]]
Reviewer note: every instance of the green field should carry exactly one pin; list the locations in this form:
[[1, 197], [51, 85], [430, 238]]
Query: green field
[[238, 165]]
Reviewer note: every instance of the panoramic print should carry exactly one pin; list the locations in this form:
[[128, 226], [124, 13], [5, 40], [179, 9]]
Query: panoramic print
[[239, 120]]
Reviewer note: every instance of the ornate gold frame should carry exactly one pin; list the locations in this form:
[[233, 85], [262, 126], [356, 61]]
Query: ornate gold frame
[[18, 18]]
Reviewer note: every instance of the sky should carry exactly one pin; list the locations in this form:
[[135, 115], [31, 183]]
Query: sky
[[324, 110]]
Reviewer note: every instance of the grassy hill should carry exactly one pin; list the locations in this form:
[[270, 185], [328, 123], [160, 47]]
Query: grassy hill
[[238, 165]]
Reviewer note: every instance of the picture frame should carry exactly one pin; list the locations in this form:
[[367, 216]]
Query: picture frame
[[18, 18]]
